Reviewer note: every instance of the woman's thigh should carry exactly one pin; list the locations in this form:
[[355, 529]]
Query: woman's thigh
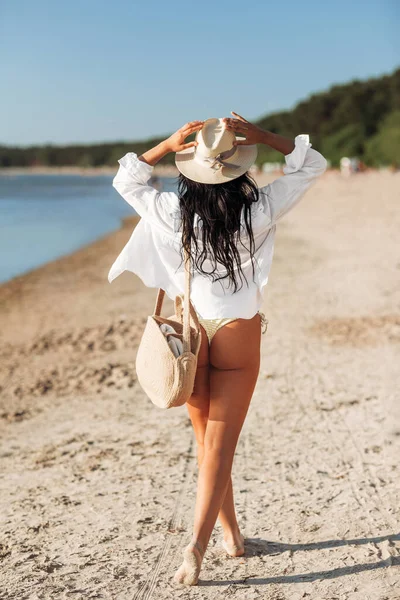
[[199, 403], [234, 367]]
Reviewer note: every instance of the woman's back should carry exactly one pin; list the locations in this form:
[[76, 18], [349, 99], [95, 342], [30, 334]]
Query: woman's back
[[216, 221]]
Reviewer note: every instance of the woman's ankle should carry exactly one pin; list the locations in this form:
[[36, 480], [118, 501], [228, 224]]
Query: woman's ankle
[[199, 545], [231, 534]]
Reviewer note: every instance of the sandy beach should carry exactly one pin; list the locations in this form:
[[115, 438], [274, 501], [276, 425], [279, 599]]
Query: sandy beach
[[97, 485]]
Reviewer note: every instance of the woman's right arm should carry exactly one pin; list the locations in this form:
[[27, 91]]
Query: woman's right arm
[[255, 135], [303, 166]]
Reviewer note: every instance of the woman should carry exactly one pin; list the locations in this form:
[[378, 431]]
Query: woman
[[227, 225]]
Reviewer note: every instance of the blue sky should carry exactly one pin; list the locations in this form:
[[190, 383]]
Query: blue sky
[[88, 71]]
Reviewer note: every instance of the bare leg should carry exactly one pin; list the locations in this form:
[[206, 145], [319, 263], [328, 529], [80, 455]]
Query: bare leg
[[198, 409], [234, 366]]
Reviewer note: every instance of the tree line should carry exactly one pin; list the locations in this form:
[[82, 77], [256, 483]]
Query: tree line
[[359, 118]]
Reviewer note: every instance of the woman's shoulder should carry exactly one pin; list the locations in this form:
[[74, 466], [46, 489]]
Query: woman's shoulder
[[260, 210], [170, 202], [170, 206]]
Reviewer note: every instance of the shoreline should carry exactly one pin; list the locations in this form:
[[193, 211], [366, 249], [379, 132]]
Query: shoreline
[[125, 222], [128, 221], [261, 179], [159, 170]]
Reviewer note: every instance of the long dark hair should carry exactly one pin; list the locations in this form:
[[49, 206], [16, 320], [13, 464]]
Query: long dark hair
[[219, 208]]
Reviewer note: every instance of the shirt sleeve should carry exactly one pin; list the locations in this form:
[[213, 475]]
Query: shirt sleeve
[[303, 167], [131, 181]]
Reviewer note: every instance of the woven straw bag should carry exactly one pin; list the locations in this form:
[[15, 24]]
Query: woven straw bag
[[167, 379]]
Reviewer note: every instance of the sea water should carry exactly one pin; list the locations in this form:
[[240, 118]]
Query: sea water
[[43, 217]]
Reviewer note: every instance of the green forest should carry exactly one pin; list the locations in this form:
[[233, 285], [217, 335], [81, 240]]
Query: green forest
[[357, 119]]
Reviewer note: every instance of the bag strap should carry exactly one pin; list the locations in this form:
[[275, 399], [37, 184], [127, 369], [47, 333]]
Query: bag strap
[[159, 302], [186, 313], [187, 345]]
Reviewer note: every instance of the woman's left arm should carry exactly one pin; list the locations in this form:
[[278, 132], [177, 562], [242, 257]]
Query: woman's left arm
[[175, 143], [134, 172]]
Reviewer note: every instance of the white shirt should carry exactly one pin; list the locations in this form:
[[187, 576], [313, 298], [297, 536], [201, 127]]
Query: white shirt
[[153, 251]]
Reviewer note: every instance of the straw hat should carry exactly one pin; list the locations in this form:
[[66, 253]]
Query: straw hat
[[215, 159]]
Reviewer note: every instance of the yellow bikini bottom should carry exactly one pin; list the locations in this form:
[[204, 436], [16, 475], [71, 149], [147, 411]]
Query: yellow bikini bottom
[[211, 326]]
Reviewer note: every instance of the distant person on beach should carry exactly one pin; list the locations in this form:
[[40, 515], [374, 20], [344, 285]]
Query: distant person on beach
[[349, 166], [227, 225]]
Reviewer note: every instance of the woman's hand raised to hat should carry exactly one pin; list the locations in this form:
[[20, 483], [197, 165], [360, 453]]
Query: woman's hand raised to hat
[[176, 142], [256, 135], [239, 126]]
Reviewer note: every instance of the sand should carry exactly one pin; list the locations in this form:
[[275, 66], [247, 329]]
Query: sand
[[97, 485]]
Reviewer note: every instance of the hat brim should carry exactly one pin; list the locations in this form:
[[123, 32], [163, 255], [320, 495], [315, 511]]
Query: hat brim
[[241, 161]]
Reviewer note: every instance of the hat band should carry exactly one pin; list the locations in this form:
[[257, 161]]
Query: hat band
[[216, 162]]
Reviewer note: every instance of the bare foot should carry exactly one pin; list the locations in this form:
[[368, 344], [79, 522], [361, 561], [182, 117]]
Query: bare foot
[[188, 572], [234, 547]]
